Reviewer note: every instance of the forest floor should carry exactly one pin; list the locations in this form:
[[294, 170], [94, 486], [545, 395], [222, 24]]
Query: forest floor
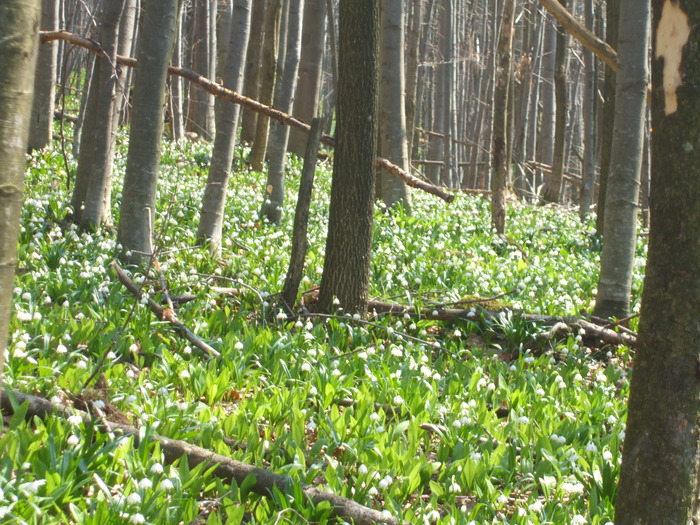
[[421, 420]]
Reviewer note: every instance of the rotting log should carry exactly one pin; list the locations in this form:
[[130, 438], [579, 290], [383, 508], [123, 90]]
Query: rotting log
[[220, 91], [226, 468]]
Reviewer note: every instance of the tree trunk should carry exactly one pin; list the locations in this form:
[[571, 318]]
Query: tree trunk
[[19, 23], [621, 201], [268, 74], [549, 54], [201, 119], [553, 185], [300, 242], [279, 134], [612, 15], [413, 47], [659, 480], [41, 130], [589, 121], [393, 141], [349, 242], [309, 84], [501, 161], [177, 91], [155, 48], [251, 76], [212, 215], [94, 174]]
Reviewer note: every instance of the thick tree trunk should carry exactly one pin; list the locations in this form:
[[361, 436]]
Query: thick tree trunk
[[212, 214], [501, 107], [621, 201], [94, 174], [393, 140], [554, 183], [660, 477], [41, 130], [19, 25], [308, 90], [279, 134], [139, 195], [268, 77], [346, 268]]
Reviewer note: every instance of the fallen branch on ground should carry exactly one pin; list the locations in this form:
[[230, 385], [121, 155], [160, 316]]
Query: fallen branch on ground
[[454, 314], [164, 314], [220, 91], [226, 468]]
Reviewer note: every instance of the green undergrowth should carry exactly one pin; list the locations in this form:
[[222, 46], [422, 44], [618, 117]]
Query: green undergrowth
[[431, 422]]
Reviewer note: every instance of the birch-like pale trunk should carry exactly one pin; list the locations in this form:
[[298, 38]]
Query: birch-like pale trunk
[[19, 25]]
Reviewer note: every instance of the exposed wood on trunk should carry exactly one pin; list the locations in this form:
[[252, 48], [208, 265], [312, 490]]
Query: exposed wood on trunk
[[220, 91], [226, 468]]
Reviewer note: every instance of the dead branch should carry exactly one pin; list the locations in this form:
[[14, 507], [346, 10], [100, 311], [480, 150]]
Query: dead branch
[[453, 314], [599, 47], [220, 91], [164, 314], [226, 468]]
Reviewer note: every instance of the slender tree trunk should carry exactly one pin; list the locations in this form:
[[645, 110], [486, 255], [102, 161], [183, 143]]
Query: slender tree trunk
[[621, 202], [309, 84], [589, 121], [201, 119], [279, 134], [660, 476], [606, 133], [413, 41], [554, 183], [348, 249], [267, 81], [251, 76], [19, 25], [155, 48], [549, 54], [393, 140], [94, 174], [41, 130], [501, 162], [212, 214], [177, 92]]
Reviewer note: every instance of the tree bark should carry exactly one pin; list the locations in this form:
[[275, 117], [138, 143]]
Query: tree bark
[[41, 130], [589, 122], [212, 214], [621, 201], [501, 107], [95, 160], [659, 480], [139, 195], [553, 185], [201, 119], [19, 25], [251, 76], [309, 84], [268, 75], [279, 135], [348, 245], [393, 139]]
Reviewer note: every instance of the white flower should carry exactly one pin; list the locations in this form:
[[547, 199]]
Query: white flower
[[362, 469], [523, 420], [238, 346], [75, 420], [374, 416], [476, 456], [61, 349], [81, 365], [145, 484], [137, 519], [577, 519], [185, 374], [157, 468], [313, 391], [455, 488], [73, 441], [572, 488], [535, 507], [19, 353], [373, 491], [305, 367], [396, 352], [591, 447], [166, 485], [32, 487], [398, 400], [281, 316], [133, 498], [385, 482]]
